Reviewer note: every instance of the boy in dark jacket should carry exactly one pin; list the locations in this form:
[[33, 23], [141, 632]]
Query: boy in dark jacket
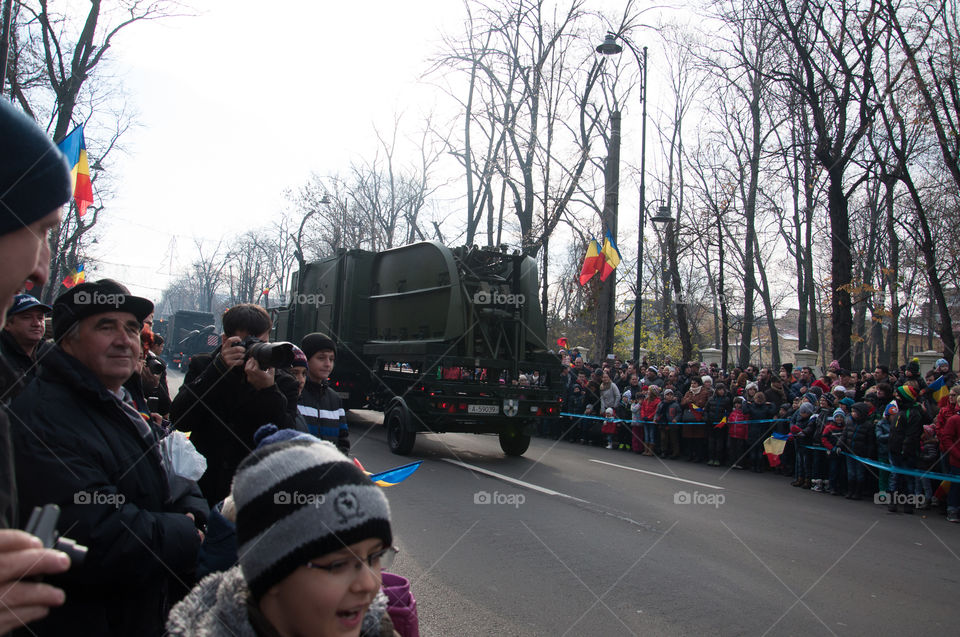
[[830, 440], [319, 404], [718, 407], [859, 439], [904, 444]]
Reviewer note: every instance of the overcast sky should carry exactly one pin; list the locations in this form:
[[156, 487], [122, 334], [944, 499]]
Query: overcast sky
[[242, 102]]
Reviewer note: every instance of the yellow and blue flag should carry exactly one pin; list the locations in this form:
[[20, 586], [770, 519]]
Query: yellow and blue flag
[[611, 257]]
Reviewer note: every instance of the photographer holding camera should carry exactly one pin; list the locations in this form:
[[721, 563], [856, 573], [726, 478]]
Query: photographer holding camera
[[82, 443], [230, 393]]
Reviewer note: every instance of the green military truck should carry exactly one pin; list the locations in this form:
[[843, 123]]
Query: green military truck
[[436, 338], [189, 333]]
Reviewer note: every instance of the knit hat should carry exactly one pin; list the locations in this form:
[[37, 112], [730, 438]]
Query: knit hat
[[863, 409], [313, 343], [269, 434], [838, 412], [749, 385], [299, 358], [806, 409], [811, 396], [298, 500], [653, 369], [941, 361], [829, 398], [913, 366], [34, 176], [787, 367], [846, 400], [907, 393]]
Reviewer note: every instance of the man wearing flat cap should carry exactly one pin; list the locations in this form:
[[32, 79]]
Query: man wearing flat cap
[[81, 443], [21, 341]]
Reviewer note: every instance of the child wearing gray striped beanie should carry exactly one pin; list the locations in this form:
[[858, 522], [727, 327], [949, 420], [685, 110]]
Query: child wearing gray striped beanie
[[299, 500]]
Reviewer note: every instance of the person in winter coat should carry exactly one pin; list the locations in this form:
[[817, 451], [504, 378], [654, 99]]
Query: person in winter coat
[[226, 397], [82, 444], [314, 536], [668, 413], [648, 410], [800, 423], [830, 440], [737, 432], [609, 394], [693, 403], [929, 460], [858, 439], [904, 444], [882, 431], [950, 447], [718, 407], [319, 404], [760, 415]]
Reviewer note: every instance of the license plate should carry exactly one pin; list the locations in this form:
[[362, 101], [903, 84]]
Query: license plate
[[483, 409], [344, 395]]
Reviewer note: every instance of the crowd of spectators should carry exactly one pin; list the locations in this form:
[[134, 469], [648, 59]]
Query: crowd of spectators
[[878, 433]]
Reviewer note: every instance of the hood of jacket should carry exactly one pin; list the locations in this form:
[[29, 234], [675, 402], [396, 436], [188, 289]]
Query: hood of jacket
[[217, 607]]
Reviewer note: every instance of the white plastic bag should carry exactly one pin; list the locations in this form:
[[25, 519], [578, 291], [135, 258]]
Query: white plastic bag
[[181, 458]]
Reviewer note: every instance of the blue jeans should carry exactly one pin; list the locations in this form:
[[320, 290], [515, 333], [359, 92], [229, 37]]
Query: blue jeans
[[856, 471], [650, 433]]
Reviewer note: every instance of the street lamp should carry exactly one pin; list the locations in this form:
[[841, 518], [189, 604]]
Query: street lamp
[[610, 47]]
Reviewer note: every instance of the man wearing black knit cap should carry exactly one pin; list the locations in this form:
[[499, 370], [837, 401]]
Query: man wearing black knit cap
[[34, 185], [319, 404]]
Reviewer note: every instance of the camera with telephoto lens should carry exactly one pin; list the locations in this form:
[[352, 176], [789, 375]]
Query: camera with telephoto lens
[[43, 524], [155, 364], [268, 355]]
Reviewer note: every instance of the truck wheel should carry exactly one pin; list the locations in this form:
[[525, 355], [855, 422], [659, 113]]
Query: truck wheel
[[399, 438], [514, 444]]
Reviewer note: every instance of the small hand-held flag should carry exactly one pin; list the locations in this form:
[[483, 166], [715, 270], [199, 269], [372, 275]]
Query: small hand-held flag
[[611, 257], [75, 148], [592, 263], [938, 389], [562, 342], [74, 277]]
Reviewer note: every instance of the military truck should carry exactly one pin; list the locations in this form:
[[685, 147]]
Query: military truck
[[436, 338], [189, 333]]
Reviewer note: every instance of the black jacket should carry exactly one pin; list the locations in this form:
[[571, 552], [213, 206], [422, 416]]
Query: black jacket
[[222, 412], [20, 368], [322, 411], [906, 431], [8, 488], [76, 445]]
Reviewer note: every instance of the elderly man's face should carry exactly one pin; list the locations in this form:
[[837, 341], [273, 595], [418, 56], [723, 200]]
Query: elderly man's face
[[108, 345]]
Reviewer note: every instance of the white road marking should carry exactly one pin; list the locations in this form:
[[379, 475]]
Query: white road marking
[[521, 483], [659, 475]]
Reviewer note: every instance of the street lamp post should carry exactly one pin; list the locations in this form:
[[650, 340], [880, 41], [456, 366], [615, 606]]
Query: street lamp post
[[610, 47]]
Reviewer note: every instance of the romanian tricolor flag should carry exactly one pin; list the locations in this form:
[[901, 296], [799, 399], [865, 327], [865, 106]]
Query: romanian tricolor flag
[[773, 449], [75, 148], [592, 263], [611, 257], [77, 276], [721, 424], [939, 389]]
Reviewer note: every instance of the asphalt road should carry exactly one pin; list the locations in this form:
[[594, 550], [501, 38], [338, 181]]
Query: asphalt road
[[573, 540]]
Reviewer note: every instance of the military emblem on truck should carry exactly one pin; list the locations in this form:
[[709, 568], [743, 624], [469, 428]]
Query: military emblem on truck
[[511, 406]]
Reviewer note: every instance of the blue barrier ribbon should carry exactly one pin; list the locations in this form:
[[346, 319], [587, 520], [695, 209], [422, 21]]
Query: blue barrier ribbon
[[701, 422], [932, 475]]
